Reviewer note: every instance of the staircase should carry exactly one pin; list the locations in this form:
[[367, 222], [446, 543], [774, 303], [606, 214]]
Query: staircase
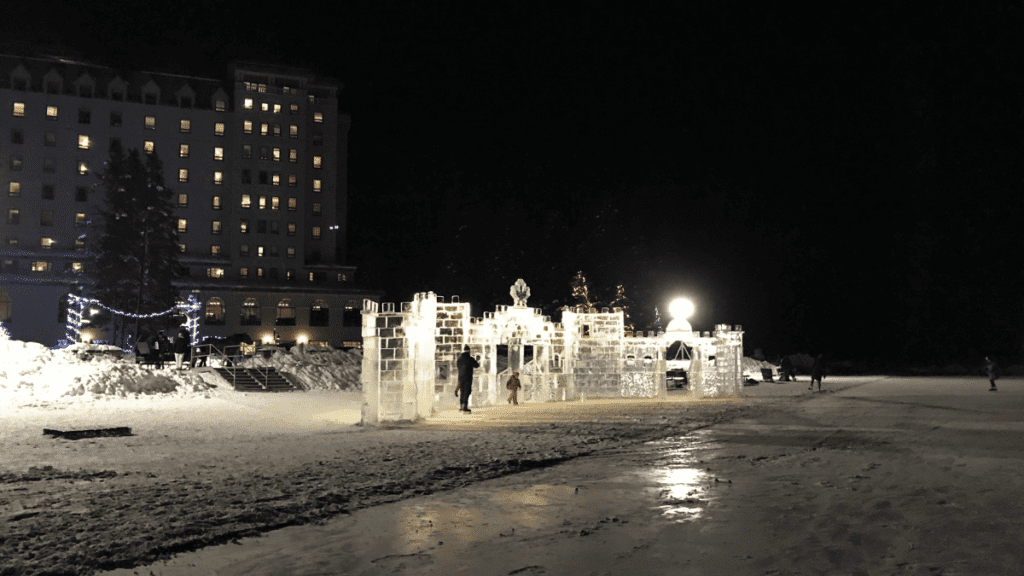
[[256, 379]]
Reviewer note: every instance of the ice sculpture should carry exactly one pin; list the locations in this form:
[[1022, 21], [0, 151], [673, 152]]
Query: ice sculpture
[[409, 356]]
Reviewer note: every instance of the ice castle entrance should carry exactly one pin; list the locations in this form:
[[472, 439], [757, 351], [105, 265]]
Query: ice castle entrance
[[409, 356]]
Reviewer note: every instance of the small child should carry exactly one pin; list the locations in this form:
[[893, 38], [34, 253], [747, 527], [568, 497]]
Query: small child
[[513, 385]]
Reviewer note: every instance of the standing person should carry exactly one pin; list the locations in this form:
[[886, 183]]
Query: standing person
[[818, 371], [156, 351], [466, 364], [513, 386], [992, 368], [181, 346], [787, 370]]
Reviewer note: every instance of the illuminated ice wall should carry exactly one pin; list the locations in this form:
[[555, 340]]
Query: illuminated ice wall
[[409, 356]]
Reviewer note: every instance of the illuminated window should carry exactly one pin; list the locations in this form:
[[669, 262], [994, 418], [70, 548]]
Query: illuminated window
[[318, 117], [218, 178], [186, 125], [182, 174], [83, 141], [218, 153], [293, 180], [290, 252], [293, 131], [250, 312], [247, 103], [263, 203], [150, 123], [19, 109], [316, 232], [293, 204], [83, 167], [265, 106], [277, 108], [289, 274], [148, 146], [182, 200], [215, 226], [277, 130], [41, 266], [14, 189], [277, 154], [316, 184], [244, 227], [218, 129], [259, 272], [214, 311], [220, 106], [246, 201], [215, 272], [312, 99], [79, 217], [293, 155], [51, 112], [293, 109], [15, 162], [275, 203], [285, 313], [182, 248], [215, 204], [243, 272], [259, 251], [183, 150], [46, 242], [264, 129], [182, 225], [76, 266], [316, 208], [312, 278], [247, 126], [317, 162], [291, 228], [275, 179], [215, 250]]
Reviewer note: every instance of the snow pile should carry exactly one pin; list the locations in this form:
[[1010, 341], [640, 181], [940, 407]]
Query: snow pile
[[315, 367], [752, 368], [31, 373]]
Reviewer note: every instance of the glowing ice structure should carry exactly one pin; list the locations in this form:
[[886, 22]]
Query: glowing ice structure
[[409, 356]]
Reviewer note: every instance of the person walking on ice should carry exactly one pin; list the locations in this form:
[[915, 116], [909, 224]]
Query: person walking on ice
[[818, 371], [513, 386], [992, 368], [466, 364]]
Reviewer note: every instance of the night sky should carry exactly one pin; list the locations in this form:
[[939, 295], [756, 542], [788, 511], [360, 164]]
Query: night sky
[[843, 179]]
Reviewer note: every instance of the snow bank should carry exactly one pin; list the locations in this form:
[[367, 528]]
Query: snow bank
[[752, 368], [316, 368], [31, 373]]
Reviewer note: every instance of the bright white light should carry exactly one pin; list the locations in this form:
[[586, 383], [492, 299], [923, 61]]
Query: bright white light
[[680, 308], [268, 339], [302, 339], [93, 311]]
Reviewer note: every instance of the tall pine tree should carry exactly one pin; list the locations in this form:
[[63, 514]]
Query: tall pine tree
[[134, 243], [580, 293], [623, 301]]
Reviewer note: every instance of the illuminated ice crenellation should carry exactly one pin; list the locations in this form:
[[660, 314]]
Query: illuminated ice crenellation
[[409, 356]]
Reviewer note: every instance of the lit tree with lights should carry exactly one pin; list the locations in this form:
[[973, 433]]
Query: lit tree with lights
[[580, 293], [134, 245], [623, 301]]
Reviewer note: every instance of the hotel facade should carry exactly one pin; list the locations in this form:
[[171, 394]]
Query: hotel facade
[[258, 168]]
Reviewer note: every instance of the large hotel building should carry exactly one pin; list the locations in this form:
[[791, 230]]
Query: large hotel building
[[257, 165]]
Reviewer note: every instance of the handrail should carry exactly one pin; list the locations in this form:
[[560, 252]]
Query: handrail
[[235, 354]]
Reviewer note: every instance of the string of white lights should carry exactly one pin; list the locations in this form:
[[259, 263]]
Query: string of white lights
[[77, 305]]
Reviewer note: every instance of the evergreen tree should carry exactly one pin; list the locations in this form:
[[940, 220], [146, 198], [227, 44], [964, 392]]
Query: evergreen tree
[[623, 301], [134, 244], [580, 293]]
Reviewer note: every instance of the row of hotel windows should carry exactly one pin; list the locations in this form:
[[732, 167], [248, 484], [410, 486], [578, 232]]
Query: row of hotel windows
[[45, 266], [14, 190], [184, 176], [116, 91], [319, 313], [18, 110], [85, 143], [216, 226]]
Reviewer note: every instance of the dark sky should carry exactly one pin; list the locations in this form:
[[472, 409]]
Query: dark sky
[[841, 178]]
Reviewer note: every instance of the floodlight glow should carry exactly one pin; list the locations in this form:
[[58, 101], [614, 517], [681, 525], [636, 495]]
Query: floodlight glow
[[268, 339], [680, 308], [302, 339]]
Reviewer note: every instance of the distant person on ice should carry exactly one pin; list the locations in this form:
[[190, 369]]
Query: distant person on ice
[[513, 386], [466, 364], [818, 371], [992, 368]]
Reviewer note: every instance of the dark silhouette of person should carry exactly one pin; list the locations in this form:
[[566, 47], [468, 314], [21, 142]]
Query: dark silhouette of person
[[513, 386], [787, 369], [993, 372], [466, 364], [181, 347], [818, 371]]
